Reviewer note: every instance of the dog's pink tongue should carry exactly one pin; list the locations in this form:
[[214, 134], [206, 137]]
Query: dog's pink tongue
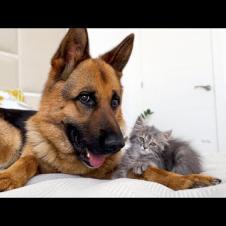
[[96, 160]]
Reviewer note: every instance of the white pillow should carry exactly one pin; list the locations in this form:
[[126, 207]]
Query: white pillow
[[13, 99]]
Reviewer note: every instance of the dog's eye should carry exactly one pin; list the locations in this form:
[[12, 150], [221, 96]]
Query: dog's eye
[[87, 100], [115, 102], [84, 98]]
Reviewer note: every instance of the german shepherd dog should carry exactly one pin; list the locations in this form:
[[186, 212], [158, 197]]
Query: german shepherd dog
[[78, 127]]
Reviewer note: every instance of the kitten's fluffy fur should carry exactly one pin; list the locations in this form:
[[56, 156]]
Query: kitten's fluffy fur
[[151, 147]]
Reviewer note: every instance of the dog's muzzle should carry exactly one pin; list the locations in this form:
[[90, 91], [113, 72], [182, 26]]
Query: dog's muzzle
[[94, 153]]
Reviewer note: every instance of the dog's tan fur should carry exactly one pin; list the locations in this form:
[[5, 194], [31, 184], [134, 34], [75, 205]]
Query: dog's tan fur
[[47, 148], [10, 144]]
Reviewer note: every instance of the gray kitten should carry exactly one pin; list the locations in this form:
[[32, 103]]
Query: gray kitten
[[151, 147]]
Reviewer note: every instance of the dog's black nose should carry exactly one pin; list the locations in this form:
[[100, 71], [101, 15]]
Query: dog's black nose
[[113, 143]]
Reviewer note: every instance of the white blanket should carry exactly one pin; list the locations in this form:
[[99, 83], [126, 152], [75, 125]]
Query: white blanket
[[61, 185]]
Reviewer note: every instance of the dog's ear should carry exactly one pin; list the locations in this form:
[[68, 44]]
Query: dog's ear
[[119, 56], [73, 49]]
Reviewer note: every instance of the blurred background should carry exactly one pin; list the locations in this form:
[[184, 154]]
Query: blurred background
[[180, 74]]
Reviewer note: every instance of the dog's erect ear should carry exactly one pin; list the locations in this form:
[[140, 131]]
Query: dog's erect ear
[[73, 49], [119, 56]]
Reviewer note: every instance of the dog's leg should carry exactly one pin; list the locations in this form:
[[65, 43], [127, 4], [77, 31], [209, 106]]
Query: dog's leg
[[19, 173], [176, 181], [200, 180]]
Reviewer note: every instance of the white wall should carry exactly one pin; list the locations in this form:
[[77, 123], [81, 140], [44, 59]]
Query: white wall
[[174, 62], [219, 63], [25, 59], [165, 67], [8, 58]]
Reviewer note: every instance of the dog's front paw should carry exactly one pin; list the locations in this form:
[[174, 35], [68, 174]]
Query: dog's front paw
[[7, 182], [216, 181], [200, 181]]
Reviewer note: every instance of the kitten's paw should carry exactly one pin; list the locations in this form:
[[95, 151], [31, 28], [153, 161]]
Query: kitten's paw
[[119, 174], [115, 176], [137, 170], [7, 182], [144, 167]]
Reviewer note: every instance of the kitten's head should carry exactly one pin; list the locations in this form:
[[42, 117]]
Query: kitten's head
[[148, 138]]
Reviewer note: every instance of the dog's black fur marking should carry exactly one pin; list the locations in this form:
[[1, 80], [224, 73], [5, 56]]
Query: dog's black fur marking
[[17, 118]]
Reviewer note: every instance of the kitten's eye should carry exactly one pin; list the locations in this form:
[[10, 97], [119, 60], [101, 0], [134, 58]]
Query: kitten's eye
[[153, 144], [141, 139]]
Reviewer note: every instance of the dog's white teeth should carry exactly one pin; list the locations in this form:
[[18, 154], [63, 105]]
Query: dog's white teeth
[[88, 155]]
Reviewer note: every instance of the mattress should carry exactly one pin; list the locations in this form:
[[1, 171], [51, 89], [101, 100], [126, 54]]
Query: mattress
[[62, 185]]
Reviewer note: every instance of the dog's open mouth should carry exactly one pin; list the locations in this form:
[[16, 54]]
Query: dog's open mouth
[[94, 161], [87, 157]]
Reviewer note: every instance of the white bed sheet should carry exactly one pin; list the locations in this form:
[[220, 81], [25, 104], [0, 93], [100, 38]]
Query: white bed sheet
[[61, 185]]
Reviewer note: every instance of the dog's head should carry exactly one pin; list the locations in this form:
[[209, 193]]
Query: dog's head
[[83, 96]]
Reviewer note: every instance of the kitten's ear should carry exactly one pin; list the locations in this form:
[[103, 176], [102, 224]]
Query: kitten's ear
[[162, 146], [132, 138], [139, 123], [167, 134]]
